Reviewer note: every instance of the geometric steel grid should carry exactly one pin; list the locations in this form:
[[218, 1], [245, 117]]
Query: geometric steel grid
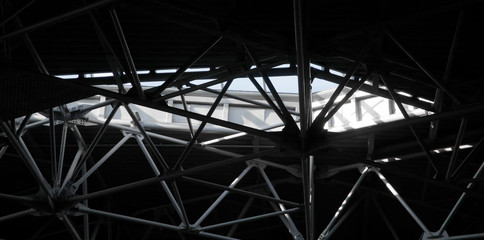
[[67, 175]]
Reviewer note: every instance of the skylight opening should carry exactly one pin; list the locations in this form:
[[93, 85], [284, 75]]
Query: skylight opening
[[141, 72], [67, 76], [170, 70], [405, 94], [286, 65], [425, 100], [98, 75], [337, 73], [197, 70], [316, 66]]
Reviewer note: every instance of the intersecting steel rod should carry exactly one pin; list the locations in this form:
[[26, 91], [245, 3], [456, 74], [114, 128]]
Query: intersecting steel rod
[[400, 199], [158, 90], [267, 98], [476, 147], [17, 214], [223, 195], [421, 66], [456, 148], [342, 219], [344, 204], [391, 90], [174, 174], [29, 161], [240, 191], [62, 151], [127, 54], [189, 121], [385, 218], [241, 215], [212, 109], [72, 230]]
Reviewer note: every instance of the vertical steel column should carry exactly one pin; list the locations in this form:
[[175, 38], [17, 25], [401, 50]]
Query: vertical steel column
[[62, 151], [305, 108], [85, 219]]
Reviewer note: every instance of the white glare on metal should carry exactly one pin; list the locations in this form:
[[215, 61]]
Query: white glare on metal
[[235, 181], [390, 187], [171, 70], [67, 76], [337, 73], [252, 67], [425, 100], [197, 70], [96, 75], [224, 138], [316, 66], [282, 66], [405, 94], [143, 71], [465, 146]]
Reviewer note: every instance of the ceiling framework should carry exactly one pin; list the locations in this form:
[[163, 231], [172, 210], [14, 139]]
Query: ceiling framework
[[65, 173]]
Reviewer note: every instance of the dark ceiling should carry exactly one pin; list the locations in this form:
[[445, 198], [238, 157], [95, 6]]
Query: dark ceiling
[[431, 50]]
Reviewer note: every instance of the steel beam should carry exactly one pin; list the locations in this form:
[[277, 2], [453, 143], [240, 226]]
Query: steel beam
[[17, 214], [72, 230], [241, 215], [173, 175], [456, 148]]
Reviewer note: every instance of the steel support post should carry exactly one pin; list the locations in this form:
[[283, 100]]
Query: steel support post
[[189, 121], [85, 218], [268, 99], [178, 209], [212, 109], [81, 145], [407, 117], [223, 195], [62, 151], [17, 214], [29, 161], [21, 128], [456, 148], [422, 67], [471, 154], [400, 199], [98, 164], [53, 145], [127, 54], [461, 199], [344, 204]]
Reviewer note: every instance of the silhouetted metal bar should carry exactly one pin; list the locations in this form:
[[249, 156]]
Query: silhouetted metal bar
[[287, 118], [165, 187], [72, 230], [17, 214], [29, 161], [344, 203], [345, 98], [267, 98], [407, 117], [98, 164], [422, 67], [212, 109], [84, 209], [241, 215], [239, 191], [400, 199], [257, 103], [94, 143], [189, 121], [62, 151], [464, 237], [150, 142], [471, 154], [124, 44], [343, 218], [249, 219], [174, 174], [57, 19], [222, 196], [461, 199], [385, 218], [220, 80], [23, 124], [182, 69], [16, 198], [456, 148], [53, 145], [14, 14]]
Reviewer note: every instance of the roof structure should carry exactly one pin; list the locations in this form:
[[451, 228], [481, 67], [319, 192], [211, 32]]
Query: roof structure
[[121, 119]]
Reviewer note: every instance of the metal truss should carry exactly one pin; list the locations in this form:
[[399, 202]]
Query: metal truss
[[65, 193]]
